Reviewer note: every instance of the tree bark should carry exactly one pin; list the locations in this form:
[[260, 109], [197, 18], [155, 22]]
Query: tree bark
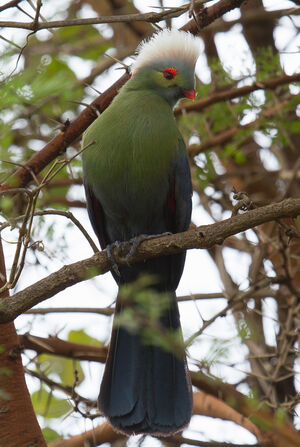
[[18, 423]]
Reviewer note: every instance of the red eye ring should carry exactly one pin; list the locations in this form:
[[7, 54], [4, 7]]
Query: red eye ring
[[169, 73]]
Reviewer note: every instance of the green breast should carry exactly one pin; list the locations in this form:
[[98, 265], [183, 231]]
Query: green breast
[[135, 141]]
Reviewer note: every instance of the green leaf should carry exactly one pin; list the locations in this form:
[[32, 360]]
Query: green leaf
[[80, 336], [85, 42], [268, 64], [45, 404], [6, 204], [147, 313], [239, 157], [244, 331], [50, 434], [231, 151], [281, 415], [221, 116], [292, 126], [64, 368], [205, 171], [6, 138], [203, 90]]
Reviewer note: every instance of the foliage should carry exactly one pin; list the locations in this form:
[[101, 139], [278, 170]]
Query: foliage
[[48, 406], [257, 152]]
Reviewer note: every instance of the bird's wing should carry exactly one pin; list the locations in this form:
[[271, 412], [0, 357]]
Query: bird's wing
[[96, 215], [179, 201]]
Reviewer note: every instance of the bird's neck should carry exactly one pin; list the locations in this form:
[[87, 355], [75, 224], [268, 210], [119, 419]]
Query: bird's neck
[[140, 83]]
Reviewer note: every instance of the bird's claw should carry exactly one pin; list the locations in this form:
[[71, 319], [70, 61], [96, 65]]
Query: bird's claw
[[136, 241], [109, 250]]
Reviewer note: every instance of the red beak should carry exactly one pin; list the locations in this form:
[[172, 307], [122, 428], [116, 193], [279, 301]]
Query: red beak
[[191, 94]]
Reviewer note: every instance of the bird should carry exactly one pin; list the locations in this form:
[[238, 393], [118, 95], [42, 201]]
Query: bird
[[137, 182]]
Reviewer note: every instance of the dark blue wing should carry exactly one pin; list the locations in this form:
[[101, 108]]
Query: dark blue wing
[[96, 215], [179, 201]]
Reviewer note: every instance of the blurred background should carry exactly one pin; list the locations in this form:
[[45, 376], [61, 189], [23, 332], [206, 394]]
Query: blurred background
[[239, 300]]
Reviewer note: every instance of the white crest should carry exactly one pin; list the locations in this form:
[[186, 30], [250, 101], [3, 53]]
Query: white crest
[[165, 44]]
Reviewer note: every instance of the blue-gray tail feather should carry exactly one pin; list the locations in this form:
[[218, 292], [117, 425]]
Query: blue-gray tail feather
[[146, 389]]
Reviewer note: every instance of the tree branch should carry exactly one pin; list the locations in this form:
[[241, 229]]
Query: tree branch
[[110, 310], [277, 434], [256, 15], [202, 237], [206, 405], [67, 389], [152, 17], [94, 310], [180, 440], [67, 136], [62, 348], [97, 436], [268, 84], [216, 399], [10, 4], [226, 135], [206, 16]]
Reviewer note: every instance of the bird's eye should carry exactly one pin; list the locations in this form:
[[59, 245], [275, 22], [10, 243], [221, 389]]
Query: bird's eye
[[170, 73]]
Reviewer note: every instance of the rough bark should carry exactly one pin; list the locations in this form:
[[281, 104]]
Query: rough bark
[[18, 423]]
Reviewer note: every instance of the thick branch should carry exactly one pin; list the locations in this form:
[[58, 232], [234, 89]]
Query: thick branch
[[276, 433], [202, 237], [210, 14], [56, 346], [97, 436], [208, 405]]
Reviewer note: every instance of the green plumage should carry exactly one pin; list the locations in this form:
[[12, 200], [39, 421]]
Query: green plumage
[[137, 181], [136, 140], [128, 144]]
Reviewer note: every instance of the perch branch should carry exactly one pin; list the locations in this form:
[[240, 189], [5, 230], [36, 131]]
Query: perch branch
[[202, 237]]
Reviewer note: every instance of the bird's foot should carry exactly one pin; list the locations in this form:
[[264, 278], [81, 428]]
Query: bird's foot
[[136, 241], [109, 250], [121, 246]]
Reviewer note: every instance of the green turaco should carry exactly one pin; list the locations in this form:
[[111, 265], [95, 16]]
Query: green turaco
[[137, 182]]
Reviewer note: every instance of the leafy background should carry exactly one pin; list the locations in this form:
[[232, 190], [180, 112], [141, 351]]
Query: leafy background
[[47, 78]]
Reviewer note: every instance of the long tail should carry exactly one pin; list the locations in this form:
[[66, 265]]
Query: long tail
[[146, 389]]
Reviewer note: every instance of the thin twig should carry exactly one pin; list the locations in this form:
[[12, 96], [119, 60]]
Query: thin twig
[[151, 17]]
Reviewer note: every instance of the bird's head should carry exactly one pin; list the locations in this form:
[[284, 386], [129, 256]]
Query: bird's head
[[166, 64]]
